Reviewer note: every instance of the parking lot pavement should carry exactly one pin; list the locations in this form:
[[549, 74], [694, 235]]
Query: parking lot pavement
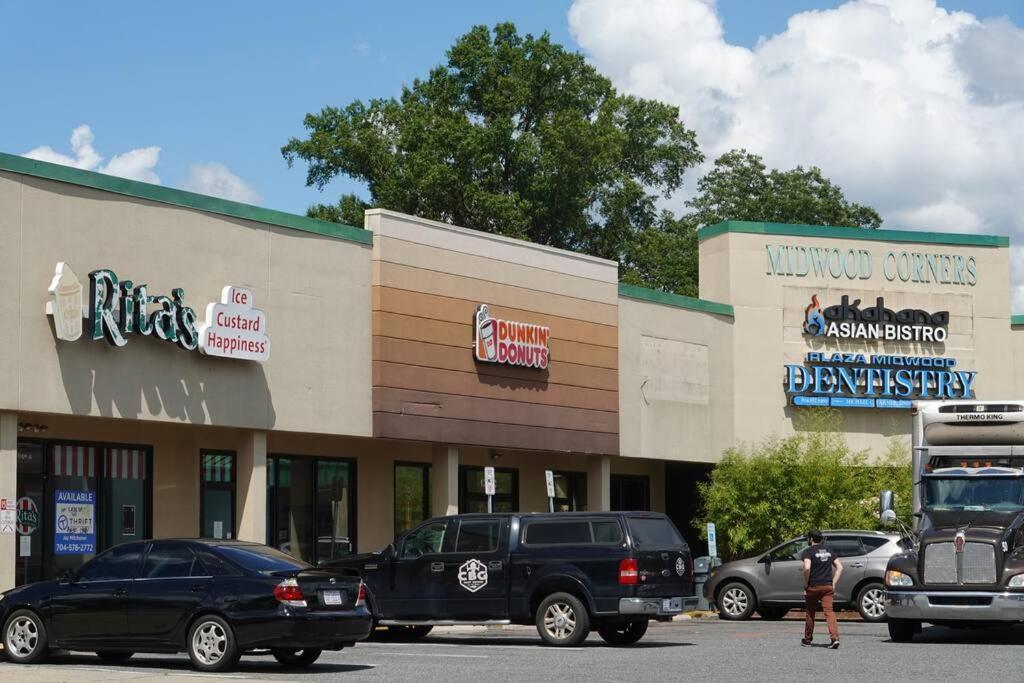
[[710, 649]]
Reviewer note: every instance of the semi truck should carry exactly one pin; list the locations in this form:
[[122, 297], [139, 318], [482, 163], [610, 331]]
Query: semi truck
[[966, 565]]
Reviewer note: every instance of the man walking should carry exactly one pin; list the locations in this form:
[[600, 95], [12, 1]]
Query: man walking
[[822, 570]]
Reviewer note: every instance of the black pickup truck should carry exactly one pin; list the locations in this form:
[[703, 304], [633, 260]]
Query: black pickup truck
[[565, 572]]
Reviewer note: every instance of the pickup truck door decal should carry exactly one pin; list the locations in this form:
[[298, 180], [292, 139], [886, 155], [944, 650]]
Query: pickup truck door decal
[[473, 575]]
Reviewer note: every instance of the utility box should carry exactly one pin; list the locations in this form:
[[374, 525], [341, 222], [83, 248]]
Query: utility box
[[701, 571]]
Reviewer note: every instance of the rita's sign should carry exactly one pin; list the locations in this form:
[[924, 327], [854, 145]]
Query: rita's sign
[[117, 309], [509, 342], [848, 320]]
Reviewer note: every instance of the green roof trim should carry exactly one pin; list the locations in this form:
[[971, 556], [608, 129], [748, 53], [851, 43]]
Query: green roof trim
[[1016, 320], [189, 200], [951, 238], [677, 300]]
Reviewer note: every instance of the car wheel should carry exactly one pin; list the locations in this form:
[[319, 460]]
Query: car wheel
[[295, 659], [871, 602], [24, 637], [562, 620], [211, 644], [114, 656], [772, 613], [736, 601], [903, 630], [623, 633]]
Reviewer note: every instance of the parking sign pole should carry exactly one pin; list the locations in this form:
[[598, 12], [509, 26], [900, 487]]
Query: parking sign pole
[[489, 488], [549, 479]]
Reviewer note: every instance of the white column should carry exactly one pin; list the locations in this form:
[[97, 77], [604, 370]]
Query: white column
[[251, 490], [8, 490], [444, 481], [599, 483]]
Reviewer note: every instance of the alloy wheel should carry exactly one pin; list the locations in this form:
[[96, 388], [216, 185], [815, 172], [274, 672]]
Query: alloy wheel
[[209, 643], [872, 603], [560, 620], [735, 602], [22, 636]]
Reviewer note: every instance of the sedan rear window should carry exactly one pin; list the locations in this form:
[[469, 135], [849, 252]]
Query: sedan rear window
[[260, 558], [654, 532]]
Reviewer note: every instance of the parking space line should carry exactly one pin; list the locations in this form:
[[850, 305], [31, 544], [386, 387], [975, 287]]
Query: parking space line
[[427, 654]]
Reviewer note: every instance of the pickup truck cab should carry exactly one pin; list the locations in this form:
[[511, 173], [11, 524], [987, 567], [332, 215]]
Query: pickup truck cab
[[564, 572]]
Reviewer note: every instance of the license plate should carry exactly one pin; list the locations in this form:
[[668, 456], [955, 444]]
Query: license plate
[[332, 597], [672, 605]]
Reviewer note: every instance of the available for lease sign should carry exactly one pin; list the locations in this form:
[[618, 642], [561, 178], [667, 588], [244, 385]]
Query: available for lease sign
[[509, 342], [234, 329]]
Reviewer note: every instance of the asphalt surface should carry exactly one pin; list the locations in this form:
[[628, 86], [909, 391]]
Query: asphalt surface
[[705, 649]]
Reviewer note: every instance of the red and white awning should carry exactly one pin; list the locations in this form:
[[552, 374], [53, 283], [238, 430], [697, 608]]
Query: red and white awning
[[124, 463], [74, 461]]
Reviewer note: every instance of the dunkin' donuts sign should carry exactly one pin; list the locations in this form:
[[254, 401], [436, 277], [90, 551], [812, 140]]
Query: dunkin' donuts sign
[[510, 342]]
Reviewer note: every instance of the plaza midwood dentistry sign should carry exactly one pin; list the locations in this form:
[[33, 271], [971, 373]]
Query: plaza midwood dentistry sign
[[117, 309], [509, 342]]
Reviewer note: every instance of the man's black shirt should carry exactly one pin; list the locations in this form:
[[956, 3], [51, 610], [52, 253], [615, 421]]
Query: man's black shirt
[[821, 564]]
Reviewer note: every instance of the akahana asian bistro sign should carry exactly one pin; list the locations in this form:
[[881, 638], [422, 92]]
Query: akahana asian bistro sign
[[509, 342], [852, 320], [117, 309]]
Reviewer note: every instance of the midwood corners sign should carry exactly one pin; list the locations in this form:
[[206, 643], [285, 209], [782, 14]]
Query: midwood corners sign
[[509, 342], [117, 309], [861, 264]]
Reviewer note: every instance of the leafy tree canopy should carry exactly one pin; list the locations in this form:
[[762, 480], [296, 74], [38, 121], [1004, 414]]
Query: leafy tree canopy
[[762, 495], [514, 135]]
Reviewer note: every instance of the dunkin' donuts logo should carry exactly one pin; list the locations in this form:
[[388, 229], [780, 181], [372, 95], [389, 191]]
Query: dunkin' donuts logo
[[509, 342]]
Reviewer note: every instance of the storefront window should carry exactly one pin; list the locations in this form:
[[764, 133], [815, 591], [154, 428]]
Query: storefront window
[[630, 492], [471, 490], [217, 494], [570, 491], [311, 507], [412, 495], [75, 500]]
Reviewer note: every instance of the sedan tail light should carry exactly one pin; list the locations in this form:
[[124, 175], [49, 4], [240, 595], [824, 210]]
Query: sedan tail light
[[288, 593], [361, 598], [629, 573]]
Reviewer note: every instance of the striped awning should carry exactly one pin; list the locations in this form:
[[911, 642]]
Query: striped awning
[[74, 461], [124, 463], [217, 467]]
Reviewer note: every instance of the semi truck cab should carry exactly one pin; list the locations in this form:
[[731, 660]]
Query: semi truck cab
[[967, 564]]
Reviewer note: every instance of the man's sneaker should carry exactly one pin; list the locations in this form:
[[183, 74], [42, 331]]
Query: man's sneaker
[[805, 641], [834, 645]]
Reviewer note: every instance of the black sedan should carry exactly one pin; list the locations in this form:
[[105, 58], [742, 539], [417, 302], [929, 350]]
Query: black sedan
[[216, 600]]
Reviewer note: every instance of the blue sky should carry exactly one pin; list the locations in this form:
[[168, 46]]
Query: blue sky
[[229, 82]]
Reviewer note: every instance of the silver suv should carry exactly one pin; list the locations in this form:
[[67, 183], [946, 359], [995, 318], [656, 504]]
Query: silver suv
[[773, 583]]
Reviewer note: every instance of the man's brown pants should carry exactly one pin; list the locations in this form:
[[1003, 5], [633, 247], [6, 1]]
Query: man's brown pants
[[812, 596]]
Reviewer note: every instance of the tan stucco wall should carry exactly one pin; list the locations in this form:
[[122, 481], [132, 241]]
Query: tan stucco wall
[[676, 382], [769, 314], [315, 291]]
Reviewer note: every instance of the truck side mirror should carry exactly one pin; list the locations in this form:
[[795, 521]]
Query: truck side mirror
[[885, 503], [888, 517]]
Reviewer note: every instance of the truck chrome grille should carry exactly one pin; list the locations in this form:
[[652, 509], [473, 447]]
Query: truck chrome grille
[[940, 563], [979, 563], [976, 565]]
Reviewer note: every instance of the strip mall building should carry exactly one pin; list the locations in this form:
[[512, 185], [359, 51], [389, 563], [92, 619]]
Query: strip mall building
[[179, 365]]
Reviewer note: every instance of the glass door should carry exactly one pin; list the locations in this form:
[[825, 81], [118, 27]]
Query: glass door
[[217, 495], [311, 507]]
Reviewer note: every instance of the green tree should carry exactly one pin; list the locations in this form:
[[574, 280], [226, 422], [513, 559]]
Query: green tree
[[513, 135], [762, 495], [740, 188]]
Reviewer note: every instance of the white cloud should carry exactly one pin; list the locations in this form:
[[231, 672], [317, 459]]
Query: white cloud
[[913, 109], [136, 164], [217, 180]]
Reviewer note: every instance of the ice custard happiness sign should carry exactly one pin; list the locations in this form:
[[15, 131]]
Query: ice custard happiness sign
[[509, 342], [115, 309]]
